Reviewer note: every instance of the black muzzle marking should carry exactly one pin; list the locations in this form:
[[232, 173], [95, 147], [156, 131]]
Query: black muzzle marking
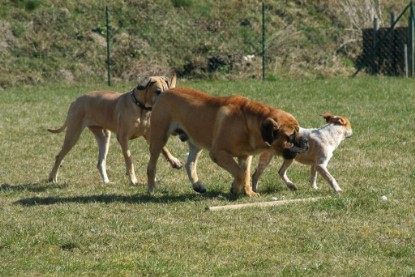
[[299, 146]]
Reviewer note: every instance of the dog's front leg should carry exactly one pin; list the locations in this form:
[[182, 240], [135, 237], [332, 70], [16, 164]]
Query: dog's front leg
[[191, 168], [123, 140], [245, 164], [241, 182], [264, 160], [322, 169], [174, 162]]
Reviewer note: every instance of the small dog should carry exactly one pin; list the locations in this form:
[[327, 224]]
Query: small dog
[[322, 143], [226, 126], [103, 112]]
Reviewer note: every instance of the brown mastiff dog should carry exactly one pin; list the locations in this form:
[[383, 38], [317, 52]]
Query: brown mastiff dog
[[103, 112], [226, 126]]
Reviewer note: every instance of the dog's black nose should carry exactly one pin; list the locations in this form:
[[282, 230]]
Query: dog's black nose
[[158, 91], [301, 144]]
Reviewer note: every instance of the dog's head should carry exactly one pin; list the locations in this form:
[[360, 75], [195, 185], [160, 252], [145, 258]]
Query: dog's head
[[148, 88], [339, 120], [281, 132]]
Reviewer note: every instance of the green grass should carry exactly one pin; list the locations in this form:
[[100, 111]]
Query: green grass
[[80, 226]]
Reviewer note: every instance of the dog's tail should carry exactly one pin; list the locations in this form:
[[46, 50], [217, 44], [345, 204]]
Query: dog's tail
[[58, 130]]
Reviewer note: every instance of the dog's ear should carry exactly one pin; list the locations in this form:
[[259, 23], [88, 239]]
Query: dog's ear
[[173, 82], [143, 83], [334, 119], [269, 130], [340, 121], [327, 116]]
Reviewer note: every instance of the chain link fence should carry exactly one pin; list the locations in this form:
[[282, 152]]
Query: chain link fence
[[389, 50], [66, 40]]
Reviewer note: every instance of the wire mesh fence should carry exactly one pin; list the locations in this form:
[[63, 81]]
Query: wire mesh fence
[[66, 40], [267, 41], [389, 50]]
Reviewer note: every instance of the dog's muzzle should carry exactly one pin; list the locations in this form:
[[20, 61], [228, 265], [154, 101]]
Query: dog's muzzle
[[299, 146]]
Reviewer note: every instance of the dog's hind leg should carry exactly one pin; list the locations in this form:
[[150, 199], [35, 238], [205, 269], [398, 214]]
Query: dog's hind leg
[[71, 137], [157, 142], [264, 160], [191, 168], [313, 176], [102, 137], [174, 162], [155, 150], [283, 174]]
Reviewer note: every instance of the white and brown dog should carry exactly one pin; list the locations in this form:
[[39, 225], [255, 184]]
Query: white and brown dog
[[322, 143], [229, 127], [103, 112]]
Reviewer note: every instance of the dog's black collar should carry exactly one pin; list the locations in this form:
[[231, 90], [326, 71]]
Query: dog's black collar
[[138, 103]]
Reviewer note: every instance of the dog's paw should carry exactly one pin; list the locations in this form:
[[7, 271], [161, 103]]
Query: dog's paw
[[199, 188], [176, 164], [292, 186], [252, 194], [134, 182], [236, 191]]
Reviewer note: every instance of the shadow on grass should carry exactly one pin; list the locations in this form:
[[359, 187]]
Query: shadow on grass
[[33, 187], [133, 199]]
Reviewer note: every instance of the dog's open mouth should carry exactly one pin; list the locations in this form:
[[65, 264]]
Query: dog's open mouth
[[299, 146]]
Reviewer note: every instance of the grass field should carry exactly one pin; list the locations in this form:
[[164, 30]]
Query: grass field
[[80, 226]]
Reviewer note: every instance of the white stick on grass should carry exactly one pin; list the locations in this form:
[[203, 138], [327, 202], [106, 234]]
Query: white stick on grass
[[261, 204]]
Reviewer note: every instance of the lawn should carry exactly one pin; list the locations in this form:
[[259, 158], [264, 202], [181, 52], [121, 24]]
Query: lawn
[[81, 226]]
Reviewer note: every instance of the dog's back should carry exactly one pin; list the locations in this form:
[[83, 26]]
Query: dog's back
[[179, 107]]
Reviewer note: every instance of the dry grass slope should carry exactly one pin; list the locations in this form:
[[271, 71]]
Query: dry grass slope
[[52, 40]]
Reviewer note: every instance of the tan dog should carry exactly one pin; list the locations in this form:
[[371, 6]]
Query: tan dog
[[103, 112], [322, 141], [226, 126]]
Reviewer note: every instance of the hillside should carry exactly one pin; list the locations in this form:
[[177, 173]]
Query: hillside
[[53, 40]]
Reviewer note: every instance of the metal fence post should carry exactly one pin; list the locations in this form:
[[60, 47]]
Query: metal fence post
[[411, 40], [405, 59], [107, 14], [374, 45], [371, 56], [263, 40]]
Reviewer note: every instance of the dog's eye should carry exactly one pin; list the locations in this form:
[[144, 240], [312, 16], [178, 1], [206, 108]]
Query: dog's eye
[[275, 134], [158, 91]]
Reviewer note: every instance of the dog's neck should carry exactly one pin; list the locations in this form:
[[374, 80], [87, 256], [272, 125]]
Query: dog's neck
[[333, 134], [138, 103]]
